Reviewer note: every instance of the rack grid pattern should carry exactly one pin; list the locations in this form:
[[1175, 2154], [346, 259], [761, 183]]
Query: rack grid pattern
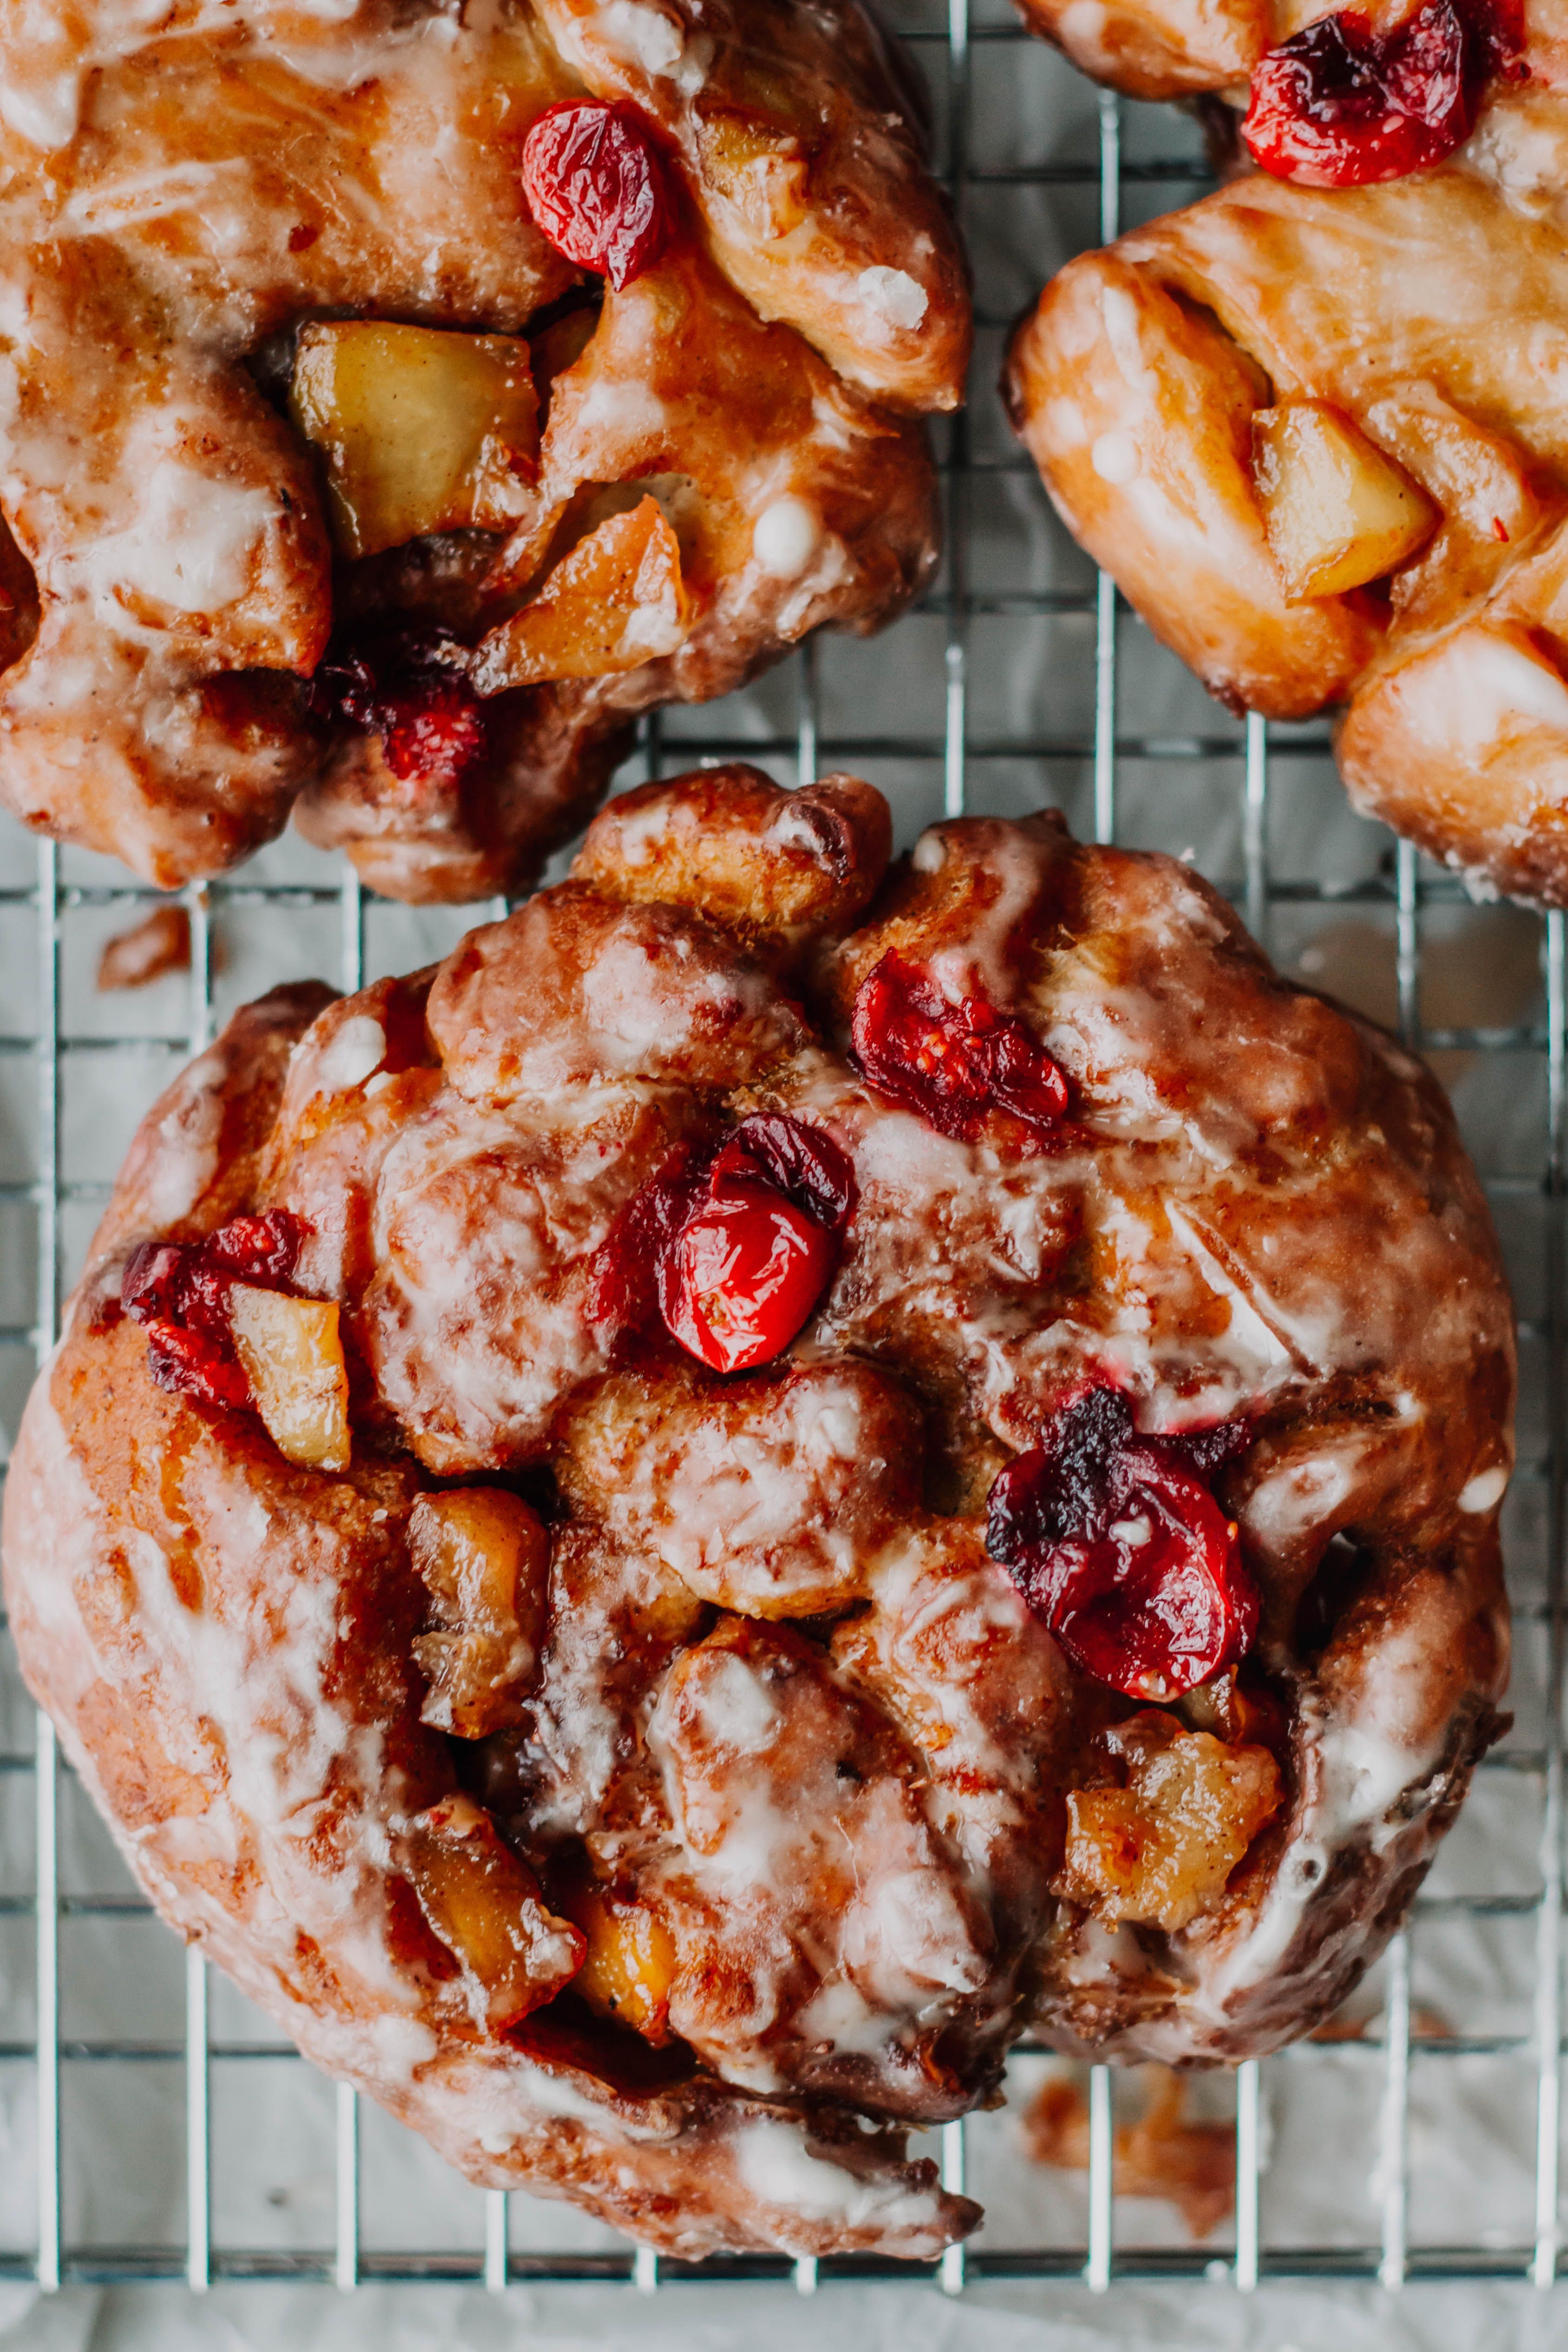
[[1406, 890]]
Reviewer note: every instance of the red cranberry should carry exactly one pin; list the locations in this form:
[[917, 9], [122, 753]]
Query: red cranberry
[[404, 686], [597, 186], [178, 1291], [623, 1285], [731, 1250], [151, 1286], [802, 1162], [187, 1363], [433, 733], [1119, 1547], [742, 1276], [263, 1251], [954, 1064], [1340, 104]]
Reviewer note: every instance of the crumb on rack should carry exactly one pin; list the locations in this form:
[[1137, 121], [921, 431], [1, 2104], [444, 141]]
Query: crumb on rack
[[1349, 2024], [160, 943], [1165, 2152]]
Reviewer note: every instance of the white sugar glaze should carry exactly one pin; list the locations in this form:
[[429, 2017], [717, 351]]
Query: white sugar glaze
[[781, 1698]]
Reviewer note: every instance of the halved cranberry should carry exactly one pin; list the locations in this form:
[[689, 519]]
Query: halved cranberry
[[954, 1064], [178, 1291], [405, 686], [597, 188], [1119, 1547], [742, 1276], [1340, 105]]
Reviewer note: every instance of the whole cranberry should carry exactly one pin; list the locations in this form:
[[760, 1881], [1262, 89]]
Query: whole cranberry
[[731, 1249], [597, 188], [1340, 105], [742, 1276]]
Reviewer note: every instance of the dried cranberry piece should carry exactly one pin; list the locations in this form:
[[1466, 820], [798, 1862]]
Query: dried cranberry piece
[[406, 687], [189, 1363], [802, 1162], [154, 1275], [178, 1292], [1340, 105], [262, 1251], [597, 188], [743, 1275], [954, 1064], [1119, 1547]]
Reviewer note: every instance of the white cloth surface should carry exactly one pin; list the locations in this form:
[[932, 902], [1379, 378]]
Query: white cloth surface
[[1058, 2318]]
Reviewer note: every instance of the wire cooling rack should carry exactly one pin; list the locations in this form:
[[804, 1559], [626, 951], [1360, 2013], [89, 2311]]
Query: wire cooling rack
[[135, 2087]]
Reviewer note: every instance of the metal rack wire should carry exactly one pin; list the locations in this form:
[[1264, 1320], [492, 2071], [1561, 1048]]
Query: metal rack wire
[[965, 756]]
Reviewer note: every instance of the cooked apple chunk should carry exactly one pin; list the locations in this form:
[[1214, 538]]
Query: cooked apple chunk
[[420, 430], [485, 1560], [1159, 1851], [762, 172], [292, 1353], [485, 1905], [615, 602], [630, 1961], [1337, 512]]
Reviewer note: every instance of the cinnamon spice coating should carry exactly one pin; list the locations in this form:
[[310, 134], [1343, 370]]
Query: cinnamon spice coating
[[1424, 313], [180, 191], [688, 1803]]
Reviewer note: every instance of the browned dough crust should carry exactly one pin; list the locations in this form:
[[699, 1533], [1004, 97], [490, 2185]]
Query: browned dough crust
[[782, 1705]]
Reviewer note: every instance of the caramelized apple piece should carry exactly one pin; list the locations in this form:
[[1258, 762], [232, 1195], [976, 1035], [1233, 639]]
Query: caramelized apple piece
[[761, 172], [292, 1353], [421, 430], [1160, 1851], [485, 1560], [484, 1906], [1337, 512], [616, 602], [631, 1962]]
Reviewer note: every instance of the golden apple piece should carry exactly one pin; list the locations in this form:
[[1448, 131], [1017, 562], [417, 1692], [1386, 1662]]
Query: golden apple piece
[[485, 1905], [485, 1560], [1160, 1850], [420, 430], [1337, 512], [630, 1961], [761, 172], [292, 1353], [615, 602]]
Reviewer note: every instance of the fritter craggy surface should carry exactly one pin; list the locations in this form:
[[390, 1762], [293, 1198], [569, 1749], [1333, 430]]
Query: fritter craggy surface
[[182, 186], [764, 1805]]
